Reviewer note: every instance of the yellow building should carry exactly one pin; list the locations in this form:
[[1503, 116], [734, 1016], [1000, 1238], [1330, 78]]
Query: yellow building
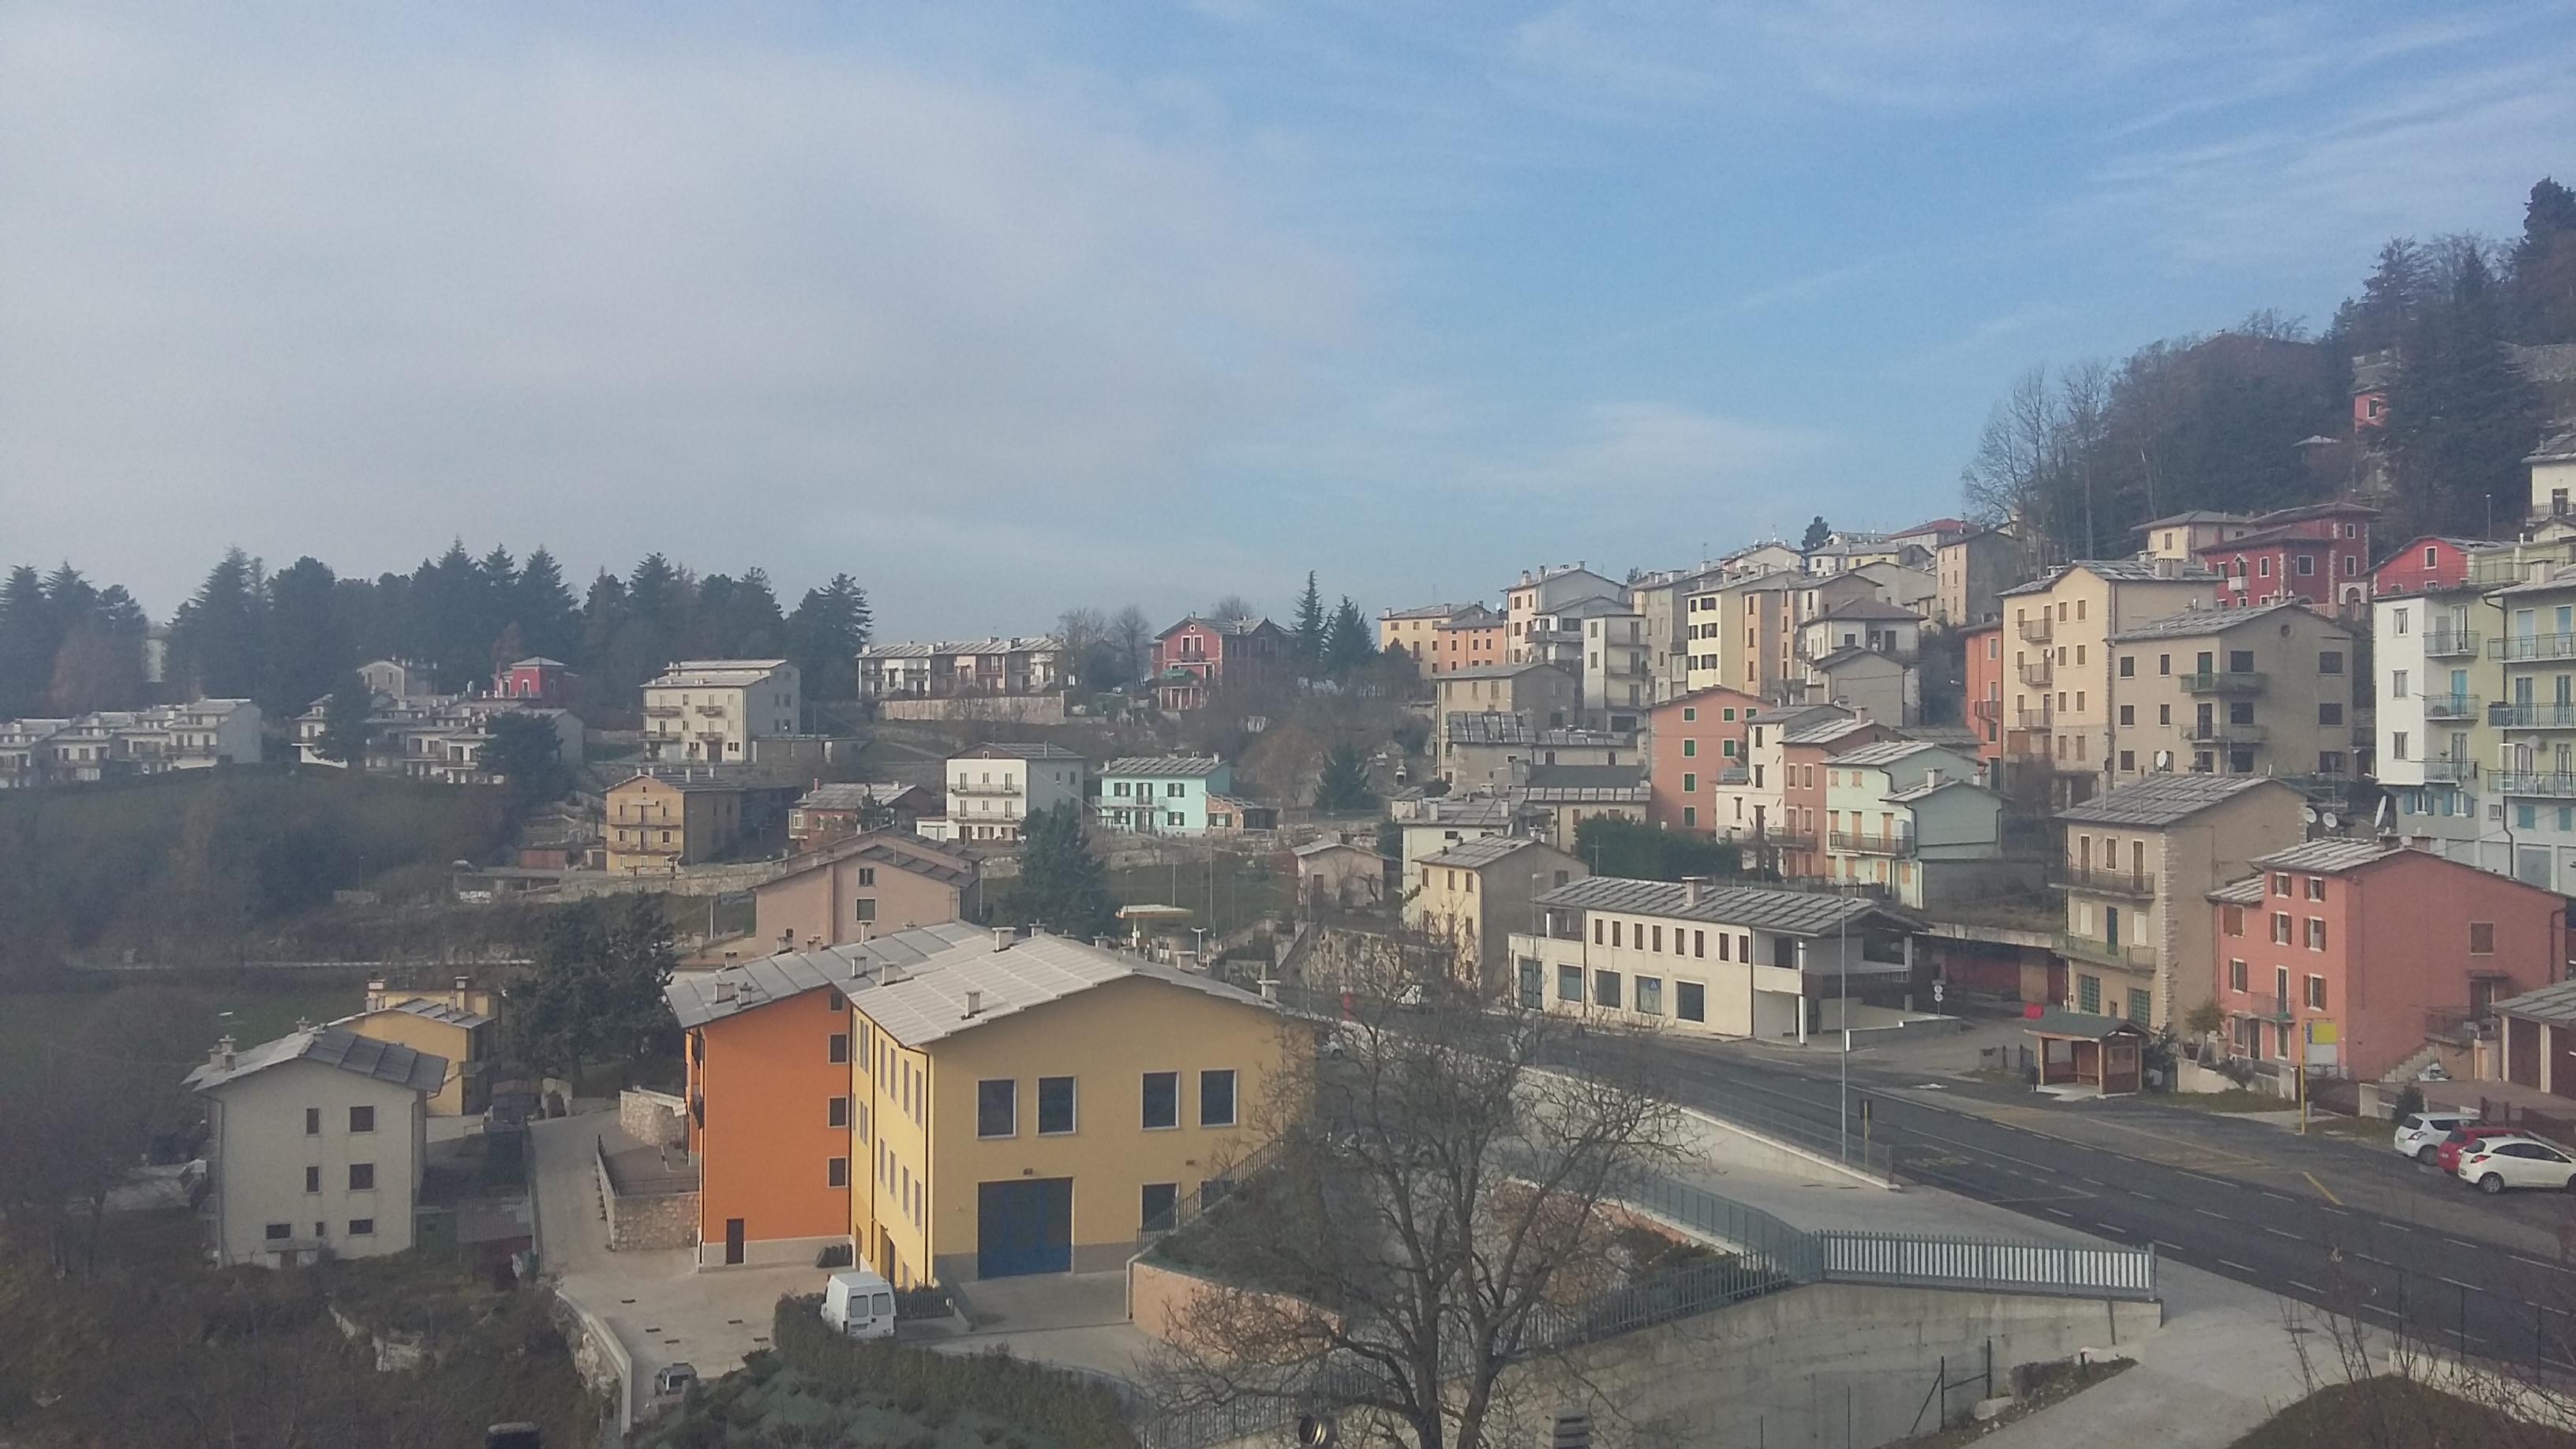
[[459, 1024], [1035, 1105], [2059, 709], [655, 825]]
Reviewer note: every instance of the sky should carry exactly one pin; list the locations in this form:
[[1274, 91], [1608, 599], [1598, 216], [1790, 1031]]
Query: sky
[[1005, 309]]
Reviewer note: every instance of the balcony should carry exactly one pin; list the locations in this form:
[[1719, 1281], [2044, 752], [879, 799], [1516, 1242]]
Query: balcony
[[1989, 711], [2086, 948], [1866, 842], [2554, 786], [2531, 716], [2038, 673], [2224, 733], [1786, 840], [2032, 719], [2454, 771], [662, 711], [962, 788], [2532, 646], [2450, 706], [711, 711], [2036, 631], [2449, 644], [2231, 681], [2135, 884]]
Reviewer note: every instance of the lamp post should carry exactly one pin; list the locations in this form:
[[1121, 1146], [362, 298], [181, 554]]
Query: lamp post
[[1842, 931]]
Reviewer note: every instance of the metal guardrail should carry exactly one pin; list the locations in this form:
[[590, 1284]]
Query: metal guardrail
[[1987, 1265]]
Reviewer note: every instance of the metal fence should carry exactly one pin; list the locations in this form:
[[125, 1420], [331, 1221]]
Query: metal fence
[[1765, 1241], [1987, 1265]]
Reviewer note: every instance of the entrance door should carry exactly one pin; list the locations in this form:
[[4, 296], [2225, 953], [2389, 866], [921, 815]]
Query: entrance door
[[733, 1240], [1024, 1226]]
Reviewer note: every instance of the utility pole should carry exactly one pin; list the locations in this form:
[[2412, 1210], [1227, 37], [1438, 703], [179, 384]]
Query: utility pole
[[1842, 932]]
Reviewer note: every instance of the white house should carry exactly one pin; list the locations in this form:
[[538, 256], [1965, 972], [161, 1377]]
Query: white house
[[708, 711], [994, 789], [317, 1145]]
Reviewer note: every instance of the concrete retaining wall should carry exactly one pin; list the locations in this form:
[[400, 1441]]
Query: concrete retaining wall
[[1045, 709]]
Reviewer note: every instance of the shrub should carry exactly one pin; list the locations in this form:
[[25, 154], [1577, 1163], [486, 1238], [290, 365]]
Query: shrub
[[1051, 1404]]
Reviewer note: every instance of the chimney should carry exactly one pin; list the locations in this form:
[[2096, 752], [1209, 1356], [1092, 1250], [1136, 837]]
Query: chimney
[[222, 1055], [1692, 888], [1003, 936], [974, 1003], [375, 993], [303, 1023], [2162, 567], [462, 984]]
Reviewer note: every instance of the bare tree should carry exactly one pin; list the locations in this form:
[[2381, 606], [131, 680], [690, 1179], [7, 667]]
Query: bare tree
[[1231, 608], [1133, 635], [1429, 1196]]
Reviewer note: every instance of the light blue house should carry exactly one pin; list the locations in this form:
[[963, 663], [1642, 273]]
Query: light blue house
[[1167, 794]]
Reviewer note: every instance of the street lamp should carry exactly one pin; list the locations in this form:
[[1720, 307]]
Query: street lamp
[[1842, 932]]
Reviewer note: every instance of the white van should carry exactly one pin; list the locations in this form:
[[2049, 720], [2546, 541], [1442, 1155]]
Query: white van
[[859, 1302]]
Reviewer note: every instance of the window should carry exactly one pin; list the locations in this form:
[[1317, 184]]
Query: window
[[312, 1179], [2280, 928], [866, 907], [838, 1049], [1596, 940], [362, 1227], [1690, 749], [1650, 996], [836, 1172], [2088, 993], [2397, 684], [1216, 1097], [362, 1119], [278, 1232], [2316, 887], [2330, 662], [2330, 713], [2128, 666], [2236, 976], [312, 1121], [1055, 1106], [1162, 1204], [836, 1112], [2128, 760], [1690, 1000], [1699, 943], [1569, 980], [2481, 938], [2397, 744], [2307, 564], [997, 1107], [2164, 664], [2280, 883], [2164, 714], [2141, 1006], [1162, 1099], [2231, 919], [2316, 993], [2316, 933], [362, 1177], [1689, 713], [1605, 988]]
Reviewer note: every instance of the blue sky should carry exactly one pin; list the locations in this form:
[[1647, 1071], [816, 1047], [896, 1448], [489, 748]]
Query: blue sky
[[1005, 309]]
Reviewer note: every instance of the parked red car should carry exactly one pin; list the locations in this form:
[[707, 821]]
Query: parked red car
[[2447, 1155]]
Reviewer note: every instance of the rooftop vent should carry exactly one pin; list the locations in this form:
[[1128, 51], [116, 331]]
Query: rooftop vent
[[974, 1003]]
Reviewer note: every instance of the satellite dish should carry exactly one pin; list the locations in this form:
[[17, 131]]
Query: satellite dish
[[2164, 761], [2332, 820], [2311, 814]]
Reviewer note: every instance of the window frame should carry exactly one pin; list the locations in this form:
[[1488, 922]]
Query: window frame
[[1170, 1083], [1231, 1094], [1072, 1107], [997, 1095]]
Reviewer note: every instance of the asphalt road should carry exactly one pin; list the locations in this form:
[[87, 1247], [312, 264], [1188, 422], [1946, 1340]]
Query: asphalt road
[[2388, 1243]]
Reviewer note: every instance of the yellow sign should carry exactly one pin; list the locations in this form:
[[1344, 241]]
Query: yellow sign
[[2321, 1033]]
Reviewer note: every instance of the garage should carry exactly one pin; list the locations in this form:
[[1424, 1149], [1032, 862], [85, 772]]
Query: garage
[[1024, 1226]]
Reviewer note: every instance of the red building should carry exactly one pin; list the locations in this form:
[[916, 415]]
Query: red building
[[2427, 564], [2319, 554], [1983, 689], [546, 683], [2349, 954], [1693, 739], [1196, 657]]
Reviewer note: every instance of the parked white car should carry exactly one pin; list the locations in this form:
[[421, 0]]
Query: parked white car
[[2493, 1164], [2419, 1133]]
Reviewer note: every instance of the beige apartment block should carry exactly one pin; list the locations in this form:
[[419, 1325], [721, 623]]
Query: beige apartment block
[[707, 711], [2141, 860], [1971, 572], [2057, 688], [2264, 691]]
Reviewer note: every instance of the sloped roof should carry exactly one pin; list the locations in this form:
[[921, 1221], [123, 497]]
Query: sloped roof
[[2189, 623], [910, 854], [1851, 655], [913, 984], [332, 1046], [853, 797], [2118, 570], [1866, 608], [1025, 751], [1883, 752], [1165, 767], [715, 673], [1930, 787], [2160, 800], [2057, 1022], [2549, 1003], [1493, 671], [1599, 777], [2327, 856], [1482, 852], [1427, 611], [431, 1009], [1796, 913]]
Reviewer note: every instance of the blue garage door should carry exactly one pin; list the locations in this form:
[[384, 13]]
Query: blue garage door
[[1024, 1226]]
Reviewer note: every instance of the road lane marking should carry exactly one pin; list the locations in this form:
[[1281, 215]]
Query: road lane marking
[[2302, 1287], [2239, 1267], [2471, 1287], [2321, 1187], [2204, 1212], [2283, 1196], [2281, 1233], [2457, 1243]]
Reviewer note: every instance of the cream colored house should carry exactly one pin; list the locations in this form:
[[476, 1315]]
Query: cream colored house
[[2058, 710], [1546, 695], [316, 1148], [2141, 860], [1970, 573], [994, 789], [1477, 894], [708, 711], [2262, 691]]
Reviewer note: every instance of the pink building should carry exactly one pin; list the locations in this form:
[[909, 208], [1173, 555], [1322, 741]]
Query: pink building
[[545, 683], [1196, 657], [2428, 564], [2350, 954], [2319, 554]]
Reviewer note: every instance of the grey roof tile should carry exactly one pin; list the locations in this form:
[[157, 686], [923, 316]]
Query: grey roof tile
[[2161, 800], [1796, 913]]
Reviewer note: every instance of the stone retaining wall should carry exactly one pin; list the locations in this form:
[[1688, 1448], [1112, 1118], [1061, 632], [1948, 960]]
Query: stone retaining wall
[[655, 1117]]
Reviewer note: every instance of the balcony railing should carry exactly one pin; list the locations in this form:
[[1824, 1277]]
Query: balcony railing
[[1989, 710], [2450, 706], [962, 788], [2454, 771], [2039, 672], [1869, 842], [663, 711], [2033, 719], [2449, 643], [2531, 716], [2111, 882], [2555, 786], [2228, 681], [1787, 840], [2087, 948], [2532, 646], [2036, 631], [2224, 733]]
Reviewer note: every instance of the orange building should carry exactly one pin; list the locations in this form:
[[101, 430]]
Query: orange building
[[768, 1056], [1984, 688], [1470, 637], [1692, 740]]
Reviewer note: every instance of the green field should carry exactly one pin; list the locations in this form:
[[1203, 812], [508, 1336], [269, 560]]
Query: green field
[[262, 1008], [1222, 896]]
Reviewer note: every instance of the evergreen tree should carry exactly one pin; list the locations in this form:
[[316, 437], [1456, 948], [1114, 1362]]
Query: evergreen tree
[[2461, 418], [27, 643], [100, 664], [1344, 785], [215, 637], [1308, 632], [1062, 886], [2542, 295], [346, 731], [1816, 536], [1347, 644], [595, 992], [824, 637], [454, 627], [549, 620], [308, 644], [525, 755], [2399, 284]]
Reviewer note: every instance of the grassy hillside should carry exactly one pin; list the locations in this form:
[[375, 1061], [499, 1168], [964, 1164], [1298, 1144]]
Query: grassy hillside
[[193, 865]]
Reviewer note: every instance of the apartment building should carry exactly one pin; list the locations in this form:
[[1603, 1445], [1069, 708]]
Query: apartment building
[[1862, 623], [836, 812], [2533, 783], [1803, 749], [315, 1146], [2141, 860], [436, 737], [1748, 803], [867, 885], [1982, 688], [978, 1104], [963, 668], [1707, 960], [1475, 638], [1694, 738], [2431, 622], [1196, 657], [1866, 683], [2061, 711], [1431, 824], [708, 711], [1618, 666], [1565, 796], [113, 744], [1166, 794], [1545, 592], [2265, 690], [1549, 697], [2319, 555], [655, 825], [2346, 956], [1662, 601], [1897, 811], [1416, 631], [1476, 894], [2181, 536], [460, 1026], [994, 789], [1970, 573], [1494, 753]]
